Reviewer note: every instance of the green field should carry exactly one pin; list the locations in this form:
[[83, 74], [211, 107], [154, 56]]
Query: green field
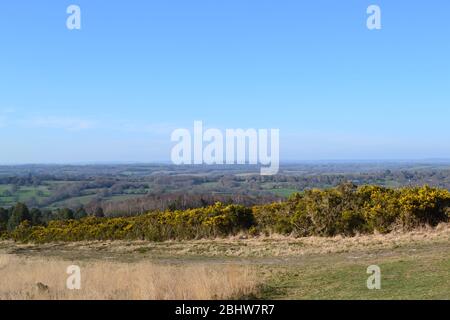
[[23, 194], [284, 192], [42, 192]]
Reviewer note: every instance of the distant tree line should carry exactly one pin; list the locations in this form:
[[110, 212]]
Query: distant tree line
[[177, 201], [11, 218]]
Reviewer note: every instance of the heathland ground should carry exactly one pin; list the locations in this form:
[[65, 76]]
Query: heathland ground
[[414, 265]]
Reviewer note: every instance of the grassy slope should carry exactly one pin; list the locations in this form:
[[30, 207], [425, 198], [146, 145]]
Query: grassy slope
[[419, 275], [23, 194], [413, 265]]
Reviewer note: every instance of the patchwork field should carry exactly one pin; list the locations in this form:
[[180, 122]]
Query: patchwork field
[[60, 186], [36, 195], [414, 265]]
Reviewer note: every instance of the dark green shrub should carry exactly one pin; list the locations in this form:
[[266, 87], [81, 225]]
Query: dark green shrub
[[19, 214]]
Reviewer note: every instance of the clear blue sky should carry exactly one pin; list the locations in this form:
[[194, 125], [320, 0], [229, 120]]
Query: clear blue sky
[[114, 90]]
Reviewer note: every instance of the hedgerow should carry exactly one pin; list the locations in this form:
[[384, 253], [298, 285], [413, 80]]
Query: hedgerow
[[345, 210], [213, 221]]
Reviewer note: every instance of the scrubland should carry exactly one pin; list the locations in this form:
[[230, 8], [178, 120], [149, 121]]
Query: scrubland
[[414, 265]]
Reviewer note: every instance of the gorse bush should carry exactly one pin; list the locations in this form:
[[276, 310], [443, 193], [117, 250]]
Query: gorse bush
[[345, 210], [348, 210], [213, 221]]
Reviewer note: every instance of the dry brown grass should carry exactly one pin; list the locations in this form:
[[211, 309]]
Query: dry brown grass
[[239, 246], [113, 280], [281, 246]]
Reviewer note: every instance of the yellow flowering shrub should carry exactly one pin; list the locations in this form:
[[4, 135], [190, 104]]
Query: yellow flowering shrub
[[345, 210]]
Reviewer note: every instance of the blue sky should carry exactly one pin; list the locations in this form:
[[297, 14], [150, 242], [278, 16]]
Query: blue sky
[[114, 90]]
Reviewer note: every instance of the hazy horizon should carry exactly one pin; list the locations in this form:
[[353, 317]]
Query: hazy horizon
[[286, 162]]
